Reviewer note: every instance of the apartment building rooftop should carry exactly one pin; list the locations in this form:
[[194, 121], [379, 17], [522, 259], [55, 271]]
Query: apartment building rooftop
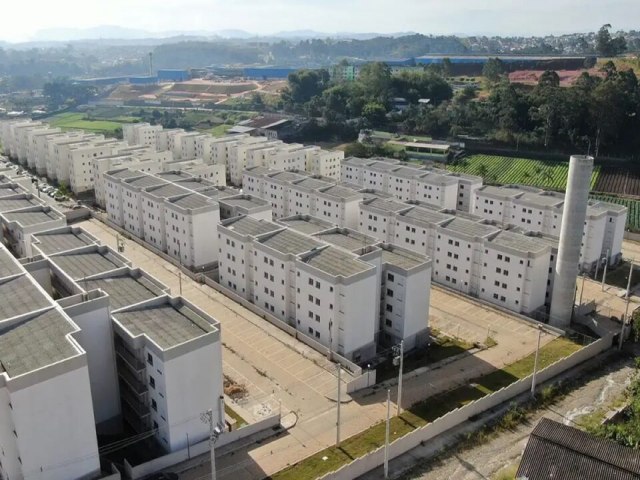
[[167, 190], [385, 205], [258, 170], [35, 217], [195, 184], [165, 324], [124, 289], [379, 166], [306, 224], [290, 242], [9, 189], [341, 192], [19, 296], [287, 176], [545, 199], [9, 204], [470, 228], [426, 215], [336, 262], [56, 241], [357, 161], [125, 173], [519, 242], [313, 183], [85, 264], [145, 182], [245, 201], [408, 172], [37, 343], [499, 192], [350, 240], [437, 178], [250, 226], [8, 264], [402, 258], [191, 201], [174, 176], [219, 192]]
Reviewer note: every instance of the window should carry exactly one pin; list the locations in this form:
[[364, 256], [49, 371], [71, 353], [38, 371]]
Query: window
[[154, 405], [152, 382], [390, 277], [389, 308], [310, 314], [311, 282], [149, 359], [388, 323], [311, 298], [310, 331], [317, 334], [389, 292]]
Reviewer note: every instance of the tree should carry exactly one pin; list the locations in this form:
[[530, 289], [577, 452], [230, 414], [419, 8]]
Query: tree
[[375, 113], [305, 84], [549, 78], [447, 67], [608, 46], [375, 79], [493, 69]]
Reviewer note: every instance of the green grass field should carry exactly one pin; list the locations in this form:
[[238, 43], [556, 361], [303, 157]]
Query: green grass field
[[73, 120], [507, 170], [332, 458]]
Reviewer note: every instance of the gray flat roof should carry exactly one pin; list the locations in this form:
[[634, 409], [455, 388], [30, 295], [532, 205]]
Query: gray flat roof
[[80, 265], [19, 296], [287, 176], [193, 200], [124, 290], [36, 343], [612, 207], [167, 190], [470, 228], [219, 192], [165, 325], [402, 258], [426, 215], [499, 192], [8, 264], [9, 190], [126, 173], [340, 191], [386, 205], [347, 239], [336, 262], [9, 204], [290, 242], [194, 184], [519, 242], [438, 178], [408, 172], [383, 166], [60, 242], [546, 199], [32, 218], [313, 183], [306, 224], [144, 182], [258, 170], [174, 176], [250, 226], [245, 201], [357, 161]]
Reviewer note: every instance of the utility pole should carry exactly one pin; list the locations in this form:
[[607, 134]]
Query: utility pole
[[214, 432], [604, 274], [582, 289], [629, 282], [180, 280], [535, 364], [398, 359], [386, 436], [338, 409]]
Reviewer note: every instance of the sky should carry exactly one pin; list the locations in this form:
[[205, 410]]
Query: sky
[[22, 19]]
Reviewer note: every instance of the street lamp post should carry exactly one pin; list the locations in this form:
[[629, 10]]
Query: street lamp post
[[386, 436], [214, 433], [535, 363], [338, 409], [398, 359], [368, 374]]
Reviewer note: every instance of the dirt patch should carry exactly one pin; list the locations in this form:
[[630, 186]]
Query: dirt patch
[[567, 77]]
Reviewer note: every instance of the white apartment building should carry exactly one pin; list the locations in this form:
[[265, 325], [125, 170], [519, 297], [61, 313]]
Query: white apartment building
[[58, 149], [153, 212], [44, 386], [232, 206], [81, 164], [324, 162], [538, 211], [338, 204], [22, 140], [36, 142], [238, 157], [171, 350], [377, 218], [117, 162], [184, 147], [274, 188], [165, 139], [191, 222], [352, 169], [19, 225], [11, 135], [140, 133], [301, 195]]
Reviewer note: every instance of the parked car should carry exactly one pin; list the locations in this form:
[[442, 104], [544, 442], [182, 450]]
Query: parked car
[[59, 198]]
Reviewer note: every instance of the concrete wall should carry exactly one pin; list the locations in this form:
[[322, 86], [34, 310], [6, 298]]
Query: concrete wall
[[454, 418], [157, 464]]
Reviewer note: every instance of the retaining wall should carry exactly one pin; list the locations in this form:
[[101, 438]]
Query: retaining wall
[[454, 418]]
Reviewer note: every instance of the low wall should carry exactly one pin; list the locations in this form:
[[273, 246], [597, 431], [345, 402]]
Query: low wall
[[347, 364], [635, 237], [78, 214], [454, 418], [200, 448], [115, 475]]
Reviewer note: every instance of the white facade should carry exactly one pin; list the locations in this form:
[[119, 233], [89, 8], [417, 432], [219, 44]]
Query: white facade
[[140, 133]]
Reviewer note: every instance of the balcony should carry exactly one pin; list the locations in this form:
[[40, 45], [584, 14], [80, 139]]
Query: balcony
[[140, 425], [134, 403], [133, 381], [129, 358]]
